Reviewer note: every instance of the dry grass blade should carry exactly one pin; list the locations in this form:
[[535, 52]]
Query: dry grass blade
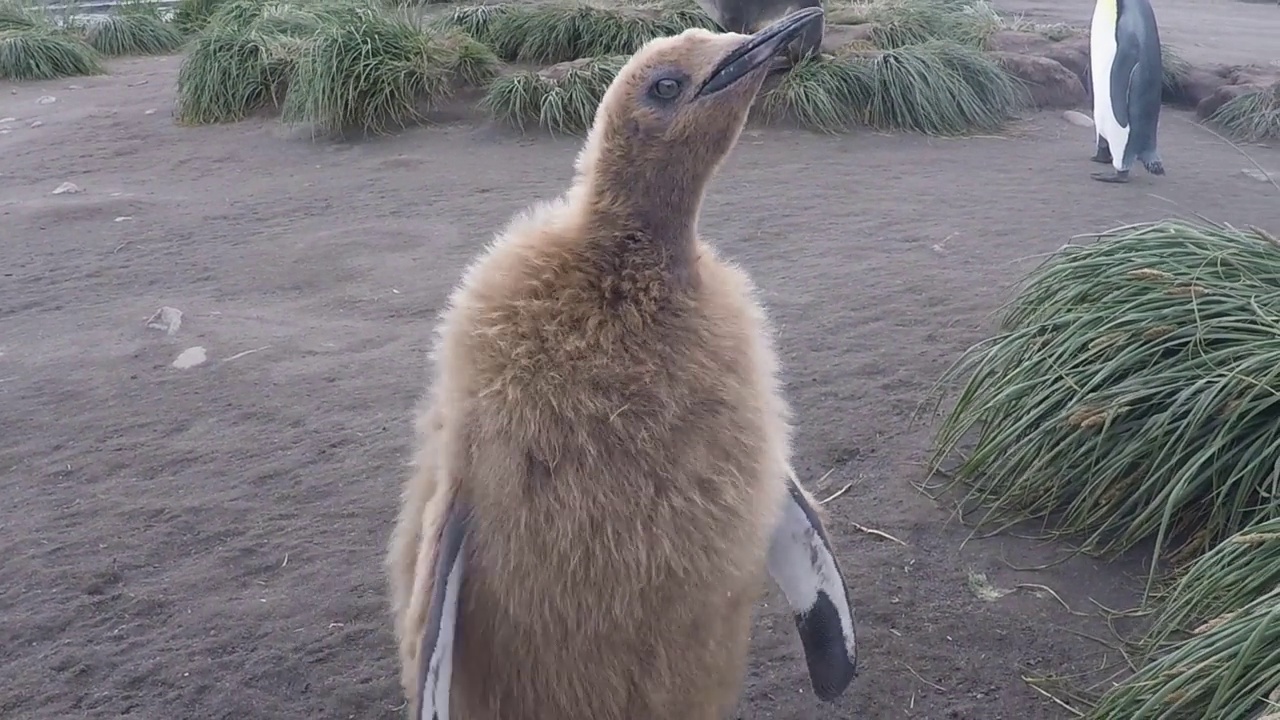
[[1131, 393]]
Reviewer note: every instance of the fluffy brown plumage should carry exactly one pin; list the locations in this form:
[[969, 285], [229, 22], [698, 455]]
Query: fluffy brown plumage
[[606, 404]]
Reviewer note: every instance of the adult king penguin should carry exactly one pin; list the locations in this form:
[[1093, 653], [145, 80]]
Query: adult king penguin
[[602, 475], [747, 16], [1127, 78]]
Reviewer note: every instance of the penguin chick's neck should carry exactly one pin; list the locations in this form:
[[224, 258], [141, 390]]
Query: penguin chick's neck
[[639, 201]]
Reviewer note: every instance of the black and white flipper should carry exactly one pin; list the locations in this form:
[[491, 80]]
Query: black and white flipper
[[435, 654], [804, 567]]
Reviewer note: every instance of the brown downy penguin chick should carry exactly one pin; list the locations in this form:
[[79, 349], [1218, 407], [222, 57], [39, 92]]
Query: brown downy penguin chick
[[603, 471], [746, 16]]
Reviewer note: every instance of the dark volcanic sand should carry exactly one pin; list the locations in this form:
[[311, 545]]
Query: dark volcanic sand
[[207, 543]]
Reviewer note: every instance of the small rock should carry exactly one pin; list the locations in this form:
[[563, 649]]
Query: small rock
[[74, 87], [67, 187], [8, 119], [1260, 175], [37, 123], [152, 111], [168, 319], [124, 218], [1078, 118], [5, 131], [46, 100], [190, 358]]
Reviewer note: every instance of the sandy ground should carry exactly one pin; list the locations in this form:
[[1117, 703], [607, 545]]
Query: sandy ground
[[207, 542], [1236, 32]]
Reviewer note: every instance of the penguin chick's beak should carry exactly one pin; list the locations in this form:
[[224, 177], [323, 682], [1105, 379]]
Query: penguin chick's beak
[[758, 49]]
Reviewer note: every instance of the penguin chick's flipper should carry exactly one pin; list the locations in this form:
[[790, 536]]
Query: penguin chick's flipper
[[435, 654], [1114, 176], [805, 568]]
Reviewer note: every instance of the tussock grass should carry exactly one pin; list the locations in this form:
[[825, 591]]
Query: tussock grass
[[43, 53], [191, 16], [562, 31], [561, 100], [132, 33], [240, 63], [1174, 69], [822, 93], [372, 69], [1229, 670], [900, 23], [935, 87], [21, 16], [1218, 584], [1132, 392], [1254, 117]]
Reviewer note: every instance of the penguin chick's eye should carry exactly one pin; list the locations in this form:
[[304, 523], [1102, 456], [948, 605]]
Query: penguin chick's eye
[[665, 88]]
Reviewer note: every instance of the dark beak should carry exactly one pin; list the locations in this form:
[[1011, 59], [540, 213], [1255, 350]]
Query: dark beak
[[759, 49]]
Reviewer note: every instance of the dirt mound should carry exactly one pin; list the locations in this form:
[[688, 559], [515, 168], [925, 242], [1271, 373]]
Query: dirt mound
[[1050, 84], [1033, 57]]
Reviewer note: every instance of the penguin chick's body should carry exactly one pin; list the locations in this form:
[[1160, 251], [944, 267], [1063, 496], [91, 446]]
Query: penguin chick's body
[[603, 457]]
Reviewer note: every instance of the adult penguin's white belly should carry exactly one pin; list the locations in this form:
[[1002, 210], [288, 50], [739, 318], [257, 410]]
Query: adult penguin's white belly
[[1102, 53]]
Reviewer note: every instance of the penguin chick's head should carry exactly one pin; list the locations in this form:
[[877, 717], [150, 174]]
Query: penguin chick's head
[[675, 110]]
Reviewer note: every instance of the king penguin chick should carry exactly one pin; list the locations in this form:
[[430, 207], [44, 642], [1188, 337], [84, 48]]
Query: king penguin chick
[[602, 476]]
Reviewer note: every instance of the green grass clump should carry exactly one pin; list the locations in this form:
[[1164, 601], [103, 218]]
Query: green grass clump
[[821, 93], [372, 69], [44, 54], [1253, 117], [562, 31], [230, 73], [191, 16], [1217, 585], [900, 23], [21, 16], [132, 33], [936, 87], [558, 99], [1230, 670], [1131, 394], [1174, 70], [246, 57]]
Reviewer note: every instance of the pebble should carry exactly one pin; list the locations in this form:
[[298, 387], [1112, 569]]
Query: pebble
[[1259, 175], [190, 358], [37, 123], [1078, 118], [8, 119], [46, 100], [168, 319], [67, 187]]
